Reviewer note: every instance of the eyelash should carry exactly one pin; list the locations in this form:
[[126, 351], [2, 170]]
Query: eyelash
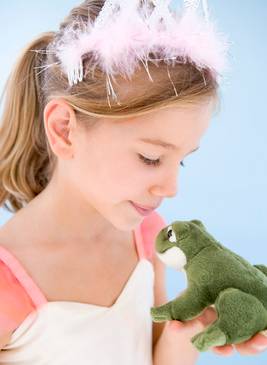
[[147, 161]]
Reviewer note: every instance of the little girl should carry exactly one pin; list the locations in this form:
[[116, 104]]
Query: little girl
[[84, 175]]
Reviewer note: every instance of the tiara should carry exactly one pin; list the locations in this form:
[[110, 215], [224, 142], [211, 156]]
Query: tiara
[[127, 32]]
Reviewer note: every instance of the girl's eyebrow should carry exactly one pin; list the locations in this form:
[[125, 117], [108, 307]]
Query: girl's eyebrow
[[166, 145]]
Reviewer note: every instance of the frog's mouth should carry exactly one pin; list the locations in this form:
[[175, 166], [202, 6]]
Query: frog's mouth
[[173, 257]]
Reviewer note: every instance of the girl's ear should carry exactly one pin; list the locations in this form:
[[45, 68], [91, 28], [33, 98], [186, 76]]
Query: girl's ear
[[60, 123], [198, 223]]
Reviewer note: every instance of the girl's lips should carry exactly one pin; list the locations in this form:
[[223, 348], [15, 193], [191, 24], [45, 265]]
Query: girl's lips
[[140, 210]]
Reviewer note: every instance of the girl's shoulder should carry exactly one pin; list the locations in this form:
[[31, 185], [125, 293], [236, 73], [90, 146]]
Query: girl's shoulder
[[150, 227], [15, 303]]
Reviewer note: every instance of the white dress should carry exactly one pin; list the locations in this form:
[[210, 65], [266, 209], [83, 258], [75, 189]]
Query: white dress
[[65, 332]]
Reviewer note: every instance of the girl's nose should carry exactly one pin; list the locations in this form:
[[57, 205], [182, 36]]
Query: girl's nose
[[168, 186]]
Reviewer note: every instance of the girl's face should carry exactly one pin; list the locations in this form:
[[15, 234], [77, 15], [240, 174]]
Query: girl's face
[[113, 165]]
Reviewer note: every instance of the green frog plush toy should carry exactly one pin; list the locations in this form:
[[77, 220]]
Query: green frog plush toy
[[216, 276]]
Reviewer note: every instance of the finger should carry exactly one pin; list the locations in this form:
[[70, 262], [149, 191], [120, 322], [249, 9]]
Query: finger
[[193, 325], [258, 340], [208, 316], [254, 345], [223, 350], [244, 349], [175, 325], [187, 328]]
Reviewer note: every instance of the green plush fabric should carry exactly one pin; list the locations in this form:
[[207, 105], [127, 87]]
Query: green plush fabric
[[216, 276]]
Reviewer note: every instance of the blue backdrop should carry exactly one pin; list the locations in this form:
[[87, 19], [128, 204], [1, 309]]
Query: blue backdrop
[[224, 183]]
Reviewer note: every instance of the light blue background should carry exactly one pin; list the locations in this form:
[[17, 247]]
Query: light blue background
[[224, 183]]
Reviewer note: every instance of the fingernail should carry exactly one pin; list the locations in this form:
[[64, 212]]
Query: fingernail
[[175, 324], [264, 333], [170, 324], [260, 347]]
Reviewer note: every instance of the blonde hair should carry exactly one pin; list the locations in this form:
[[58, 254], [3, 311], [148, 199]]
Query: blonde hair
[[26, 159]]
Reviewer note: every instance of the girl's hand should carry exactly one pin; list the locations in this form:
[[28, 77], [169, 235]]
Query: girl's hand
[[253, 346]]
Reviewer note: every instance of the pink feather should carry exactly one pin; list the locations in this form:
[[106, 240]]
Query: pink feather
[[123, 37]]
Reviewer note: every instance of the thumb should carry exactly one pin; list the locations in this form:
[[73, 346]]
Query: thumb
[[189, 328], [193, 326], [208, 316]]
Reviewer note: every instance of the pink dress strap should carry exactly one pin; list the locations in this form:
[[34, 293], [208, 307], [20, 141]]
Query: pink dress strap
[[15, 303], [147, 233]]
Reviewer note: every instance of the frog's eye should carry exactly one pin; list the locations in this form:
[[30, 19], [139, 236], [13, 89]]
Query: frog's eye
[[171, 234]]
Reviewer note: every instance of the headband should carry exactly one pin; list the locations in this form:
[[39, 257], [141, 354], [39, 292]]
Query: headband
[[127, 32]]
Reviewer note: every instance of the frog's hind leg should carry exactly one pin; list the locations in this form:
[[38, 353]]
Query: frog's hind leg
[[240, 316]]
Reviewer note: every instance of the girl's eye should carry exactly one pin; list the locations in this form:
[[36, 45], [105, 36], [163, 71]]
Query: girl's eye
[[147, 161]]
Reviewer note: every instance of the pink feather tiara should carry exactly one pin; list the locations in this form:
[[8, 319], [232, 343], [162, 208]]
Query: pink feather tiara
[[126, 32]]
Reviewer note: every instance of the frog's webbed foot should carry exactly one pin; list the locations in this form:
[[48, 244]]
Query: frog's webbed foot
[[212, 336], [162, 313]]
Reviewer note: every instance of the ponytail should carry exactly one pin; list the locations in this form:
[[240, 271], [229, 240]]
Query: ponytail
[[24, 151]]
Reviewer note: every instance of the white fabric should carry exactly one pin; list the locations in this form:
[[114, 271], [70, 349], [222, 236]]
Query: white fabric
[[72, 333]]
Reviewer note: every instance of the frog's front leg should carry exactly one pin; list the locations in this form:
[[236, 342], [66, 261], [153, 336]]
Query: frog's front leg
[[190, 303], [185, 307], [162, 313]]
